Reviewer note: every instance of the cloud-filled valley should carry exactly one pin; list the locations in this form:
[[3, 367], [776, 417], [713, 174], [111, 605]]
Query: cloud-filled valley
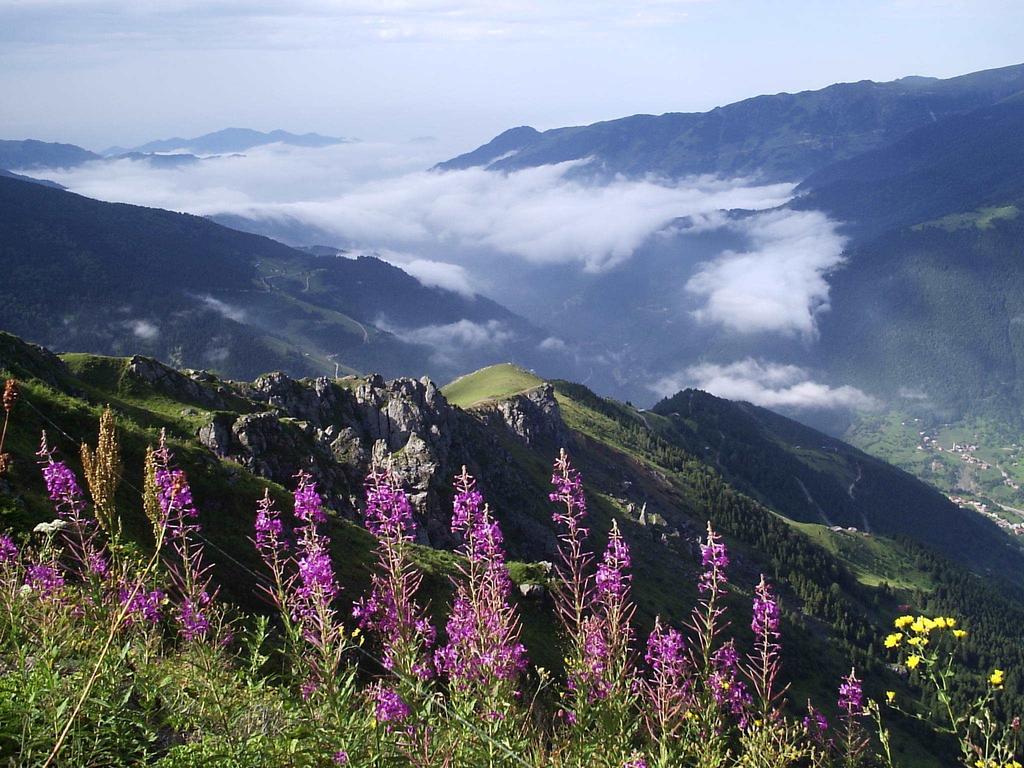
[[476, 231]]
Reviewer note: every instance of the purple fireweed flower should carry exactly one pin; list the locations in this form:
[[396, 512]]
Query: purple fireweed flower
[[304, 586], [317, 586], [8, 549], [851, 695], [766, 612], [568, 492], [390, 609], [612, 578], [98, 565], [635, 762], [175, 497], [714, 559], [269, 527], [589, 676], [316, 575], [309, 686], [273, 547], [390, 708], [194, 623], [190, 573], [670, 689], [340, 757], [388, 511], [666, 653], [762, 666], [141, 606], [466, 504], [727, 689], [309, 508], [574, 582], [80, 531], [815, 724], [483, 628], [61, 483], [44, 577]]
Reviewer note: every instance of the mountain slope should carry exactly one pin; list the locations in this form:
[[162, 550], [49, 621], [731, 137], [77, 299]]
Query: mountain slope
[[963, 163], [779, 137], [116, 278], [811, 477]]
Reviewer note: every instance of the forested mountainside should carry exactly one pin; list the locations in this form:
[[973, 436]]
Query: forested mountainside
[[112, 278]]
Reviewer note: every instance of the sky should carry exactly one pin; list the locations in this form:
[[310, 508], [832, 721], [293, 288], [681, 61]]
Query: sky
[[103, 72]]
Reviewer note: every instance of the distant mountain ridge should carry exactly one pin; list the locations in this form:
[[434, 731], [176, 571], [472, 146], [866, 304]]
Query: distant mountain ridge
[[776, 137], [30, 154], [230, 140]]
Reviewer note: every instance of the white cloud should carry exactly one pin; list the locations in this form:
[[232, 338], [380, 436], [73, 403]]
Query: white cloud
[[538, 214], [223, 308], [452, 337], [368, 196], [431, 273], [552, 344], [144, 329], [772, 385], [777, 285]]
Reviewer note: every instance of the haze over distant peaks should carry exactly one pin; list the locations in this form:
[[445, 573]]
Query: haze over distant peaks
[[231, 140]]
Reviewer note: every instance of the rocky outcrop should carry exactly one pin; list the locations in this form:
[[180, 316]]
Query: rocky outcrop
[[176, 385], [533, 416], [338, 430]]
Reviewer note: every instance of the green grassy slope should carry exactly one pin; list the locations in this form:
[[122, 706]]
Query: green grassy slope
[[838, 595], [491, 383]]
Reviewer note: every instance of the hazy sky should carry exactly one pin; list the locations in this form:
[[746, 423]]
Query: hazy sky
[[99, 72]]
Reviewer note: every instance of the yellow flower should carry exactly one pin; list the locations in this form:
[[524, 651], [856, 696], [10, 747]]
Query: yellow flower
[[922, 625], [997, 677], [890, 696], [918, 641], [959, 633], [940, 622], [950, 622], [913, 661], [903, 621], [893, 640]]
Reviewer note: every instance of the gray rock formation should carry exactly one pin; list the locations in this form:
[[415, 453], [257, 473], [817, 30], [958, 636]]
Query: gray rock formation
[[174, 383], [533, 416], [338, 430]]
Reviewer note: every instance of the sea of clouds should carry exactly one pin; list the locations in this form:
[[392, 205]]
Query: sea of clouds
[[382, 197]]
